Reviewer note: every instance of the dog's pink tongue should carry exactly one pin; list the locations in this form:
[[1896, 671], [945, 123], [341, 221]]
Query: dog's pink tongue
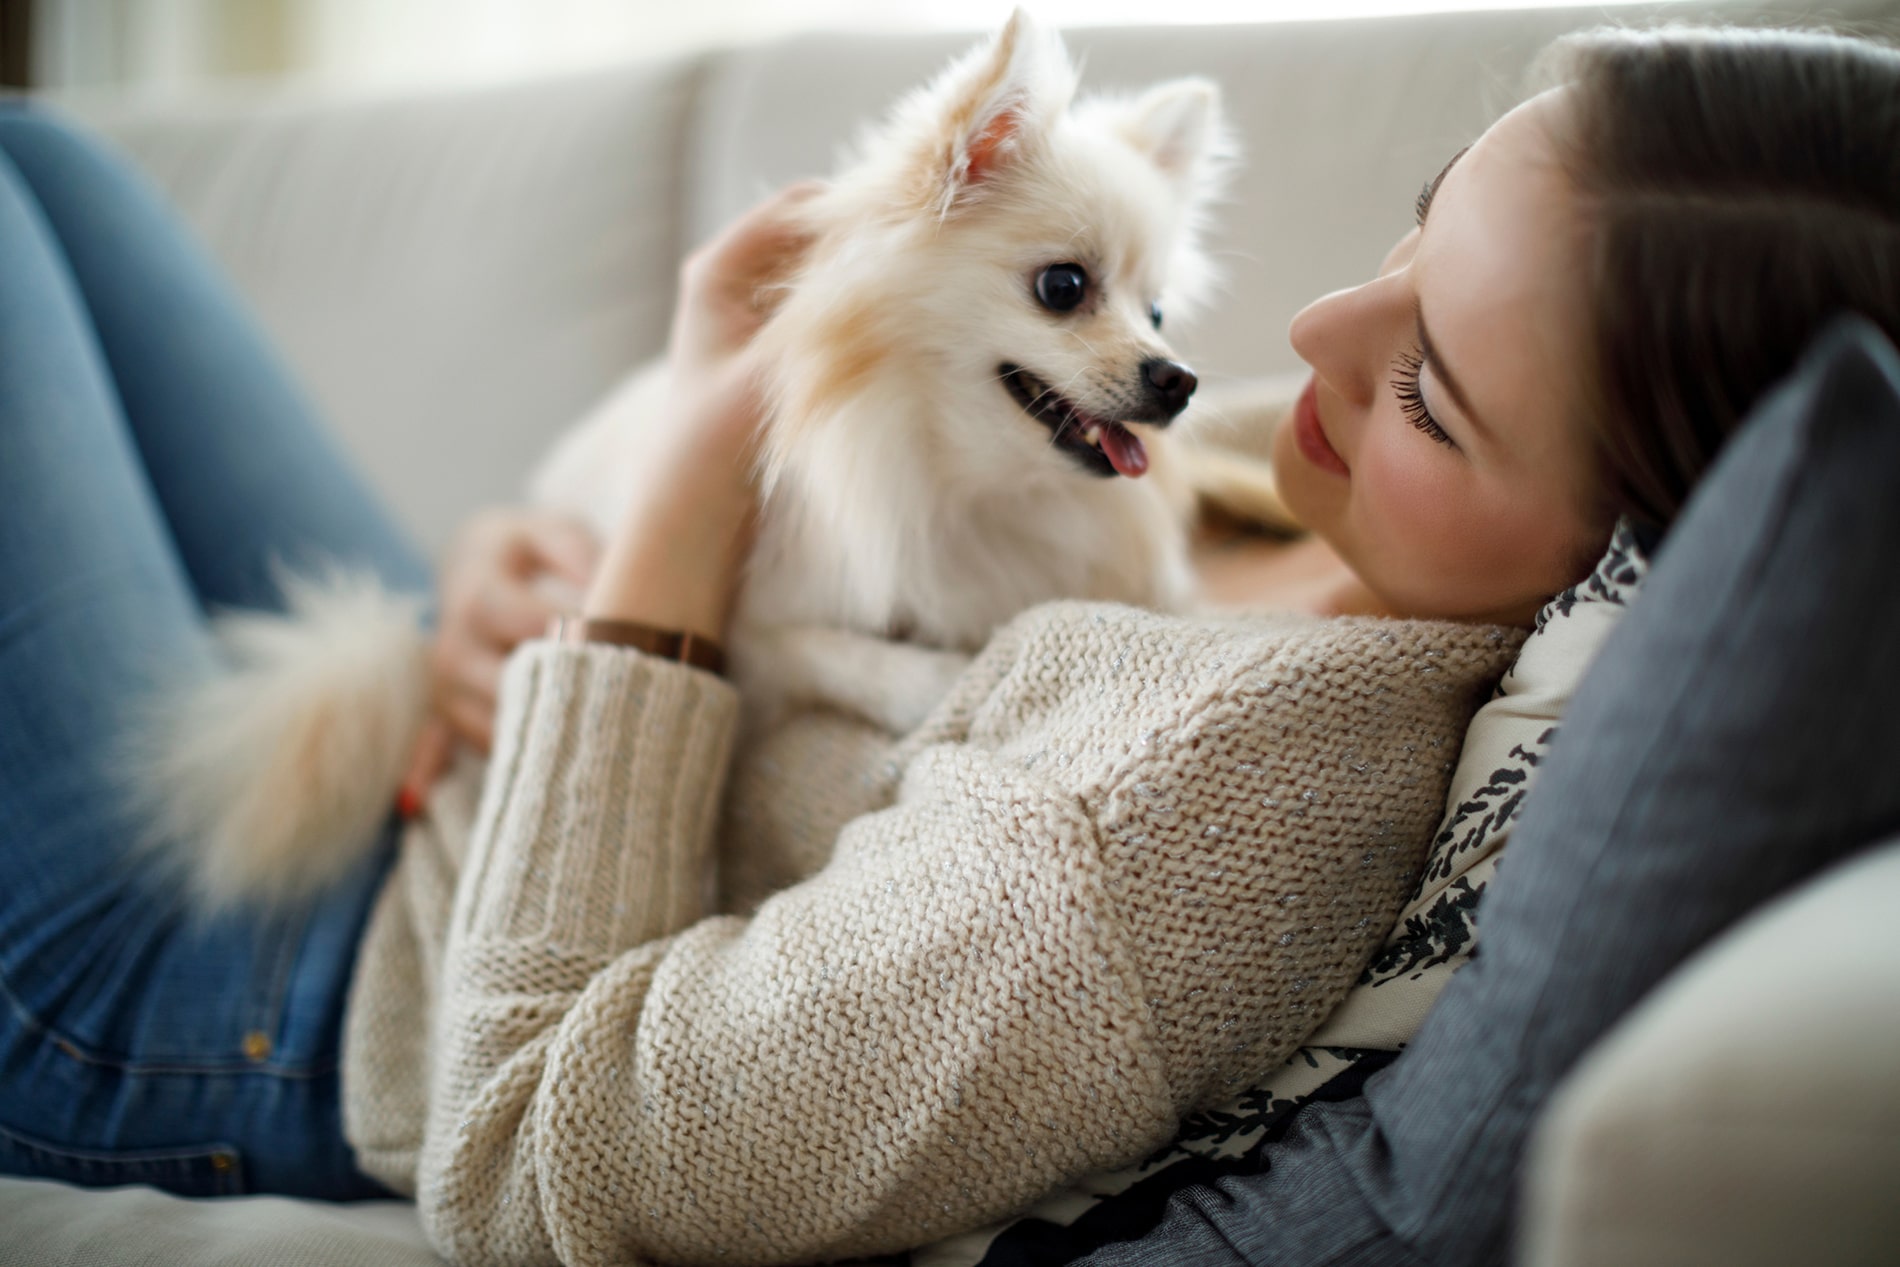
[[1124, 451]]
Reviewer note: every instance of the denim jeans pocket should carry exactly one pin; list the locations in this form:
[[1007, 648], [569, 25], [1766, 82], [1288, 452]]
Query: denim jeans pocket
[[188, 1170]]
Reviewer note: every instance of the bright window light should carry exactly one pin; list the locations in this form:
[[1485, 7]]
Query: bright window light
[[161, 45], [983, 13], [374, 39]]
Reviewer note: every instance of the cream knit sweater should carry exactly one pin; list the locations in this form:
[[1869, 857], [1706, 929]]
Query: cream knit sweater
[[1131, 862]]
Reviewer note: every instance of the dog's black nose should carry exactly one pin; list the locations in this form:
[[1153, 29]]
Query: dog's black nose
[[1170, 383]]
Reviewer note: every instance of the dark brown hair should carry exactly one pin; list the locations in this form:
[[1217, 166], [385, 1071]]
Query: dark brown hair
[[1742, 187]]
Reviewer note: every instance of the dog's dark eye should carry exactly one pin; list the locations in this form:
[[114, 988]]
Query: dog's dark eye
[[1061, 287], [1154, 315]]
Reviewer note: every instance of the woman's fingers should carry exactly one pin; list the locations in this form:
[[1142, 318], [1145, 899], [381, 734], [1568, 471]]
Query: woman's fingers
[[430, 758], [477, 676], [555, 543], [466, 678], [508, 573], [727, 287], [514, 570], [472, 717], [478, 684], [509, 611], [753, 246]]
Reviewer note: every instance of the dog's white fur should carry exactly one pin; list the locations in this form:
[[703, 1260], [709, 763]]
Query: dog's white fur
[[911, 504]]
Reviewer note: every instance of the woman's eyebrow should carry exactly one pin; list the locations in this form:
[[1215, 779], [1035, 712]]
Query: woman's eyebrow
[[1443, 372], [1430, 191]]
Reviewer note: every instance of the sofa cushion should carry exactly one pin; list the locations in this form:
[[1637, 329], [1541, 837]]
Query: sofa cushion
[[456, 276], [1700, 1130], [50, 1224]]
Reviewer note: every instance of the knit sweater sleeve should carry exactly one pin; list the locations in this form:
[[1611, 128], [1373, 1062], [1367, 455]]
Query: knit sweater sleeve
[[1076, 921]]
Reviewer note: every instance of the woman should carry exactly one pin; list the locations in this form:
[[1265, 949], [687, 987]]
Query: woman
[[1480, 413]]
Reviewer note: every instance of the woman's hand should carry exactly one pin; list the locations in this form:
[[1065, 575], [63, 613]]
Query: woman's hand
[[675, 559], [508, 571], [690, 504]]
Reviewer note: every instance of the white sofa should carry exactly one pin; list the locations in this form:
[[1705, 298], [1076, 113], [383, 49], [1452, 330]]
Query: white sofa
[[455, 276]]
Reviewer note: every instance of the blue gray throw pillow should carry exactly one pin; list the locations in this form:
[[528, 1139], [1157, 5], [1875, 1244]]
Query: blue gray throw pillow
[[1735, 736]]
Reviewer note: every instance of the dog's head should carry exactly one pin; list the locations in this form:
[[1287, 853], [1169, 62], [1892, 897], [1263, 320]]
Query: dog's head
[[1009, 258]]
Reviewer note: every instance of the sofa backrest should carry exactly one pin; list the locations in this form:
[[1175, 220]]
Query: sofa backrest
[[457, 275]]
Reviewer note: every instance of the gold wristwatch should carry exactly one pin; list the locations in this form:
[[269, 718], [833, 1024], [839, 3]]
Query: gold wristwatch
[[668, 644]]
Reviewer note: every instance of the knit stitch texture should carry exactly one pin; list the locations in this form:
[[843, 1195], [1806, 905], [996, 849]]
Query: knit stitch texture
[[1131, 862]]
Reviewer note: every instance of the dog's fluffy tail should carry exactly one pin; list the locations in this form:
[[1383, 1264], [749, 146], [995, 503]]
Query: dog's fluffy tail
[[265, 781]]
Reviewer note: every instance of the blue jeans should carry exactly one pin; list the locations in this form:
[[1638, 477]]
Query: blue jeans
[[154, 460]]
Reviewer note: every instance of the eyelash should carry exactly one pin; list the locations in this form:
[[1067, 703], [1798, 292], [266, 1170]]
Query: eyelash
[[1405, 372], [1424, 204]]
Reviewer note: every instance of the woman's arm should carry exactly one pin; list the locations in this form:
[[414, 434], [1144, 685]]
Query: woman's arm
[[674, 562], [676, 557], [936, 1029], [1133, 860]]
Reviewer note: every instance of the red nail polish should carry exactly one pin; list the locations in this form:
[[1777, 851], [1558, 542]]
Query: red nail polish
[[408, 803]]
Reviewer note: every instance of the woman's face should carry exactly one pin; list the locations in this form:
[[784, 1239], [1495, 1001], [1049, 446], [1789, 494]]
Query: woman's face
[[1440, 445]]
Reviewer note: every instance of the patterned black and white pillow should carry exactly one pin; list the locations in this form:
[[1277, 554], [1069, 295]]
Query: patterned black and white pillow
[[1435, 935]]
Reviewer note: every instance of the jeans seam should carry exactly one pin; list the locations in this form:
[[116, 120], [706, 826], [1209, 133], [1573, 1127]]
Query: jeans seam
[[82, 1053], [139, 1165], [115, 1156], [289, 950]]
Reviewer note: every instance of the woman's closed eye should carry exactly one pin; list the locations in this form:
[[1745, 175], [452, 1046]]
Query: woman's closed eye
[[1405, 385]]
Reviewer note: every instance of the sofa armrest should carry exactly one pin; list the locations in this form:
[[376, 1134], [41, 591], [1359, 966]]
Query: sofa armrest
[[1748, 1111]]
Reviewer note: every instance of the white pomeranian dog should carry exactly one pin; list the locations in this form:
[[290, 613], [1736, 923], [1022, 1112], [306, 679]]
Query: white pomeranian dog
[[966, 389]]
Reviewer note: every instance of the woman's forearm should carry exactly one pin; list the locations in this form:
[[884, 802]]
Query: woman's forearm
[[918, 1040], [594, 837], [673, 569], [1020, 971], [674, 559]]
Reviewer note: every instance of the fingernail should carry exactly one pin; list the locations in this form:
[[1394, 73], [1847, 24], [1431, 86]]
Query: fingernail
[[408, 802]]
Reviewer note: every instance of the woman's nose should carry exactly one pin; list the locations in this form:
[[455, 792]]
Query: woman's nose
[[1342, 336]]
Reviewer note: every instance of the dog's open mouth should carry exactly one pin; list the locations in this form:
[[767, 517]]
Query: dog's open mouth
[[1101, 445]]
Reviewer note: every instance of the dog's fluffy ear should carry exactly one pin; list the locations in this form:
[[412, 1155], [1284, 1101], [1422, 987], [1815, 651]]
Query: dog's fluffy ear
[[1177, 125], [991, 109]]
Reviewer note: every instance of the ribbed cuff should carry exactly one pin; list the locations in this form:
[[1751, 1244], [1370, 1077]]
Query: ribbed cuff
[[603, 795]]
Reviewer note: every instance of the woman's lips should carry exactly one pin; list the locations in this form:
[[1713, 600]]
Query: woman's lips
[[1311, 436]]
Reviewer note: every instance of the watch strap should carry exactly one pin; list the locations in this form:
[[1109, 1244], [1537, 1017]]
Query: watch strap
[[668, 644]]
